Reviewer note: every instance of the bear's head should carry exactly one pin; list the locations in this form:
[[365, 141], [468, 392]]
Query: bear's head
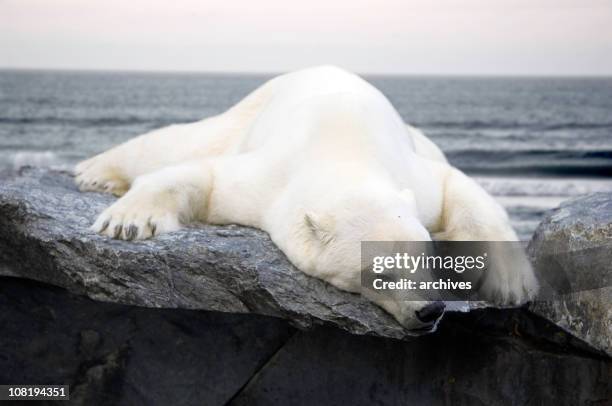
[[334, 233]]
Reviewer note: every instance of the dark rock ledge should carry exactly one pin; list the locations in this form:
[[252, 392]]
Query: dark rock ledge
[[44, 236]]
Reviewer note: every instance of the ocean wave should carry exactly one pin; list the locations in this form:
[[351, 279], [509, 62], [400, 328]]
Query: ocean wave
[[87, 122], [550, 162], [552, 170], [498, 124], [42, 159], [540, 192], [523, 154]]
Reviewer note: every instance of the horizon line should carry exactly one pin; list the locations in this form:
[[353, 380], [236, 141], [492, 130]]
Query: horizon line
[[275, 73]]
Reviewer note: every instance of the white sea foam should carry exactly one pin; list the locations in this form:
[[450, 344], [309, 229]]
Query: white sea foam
[[43, 159], [527, 199], [550, 187], [531, 202]]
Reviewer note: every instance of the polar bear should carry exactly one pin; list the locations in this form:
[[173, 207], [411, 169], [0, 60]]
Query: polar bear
[[320, 160]]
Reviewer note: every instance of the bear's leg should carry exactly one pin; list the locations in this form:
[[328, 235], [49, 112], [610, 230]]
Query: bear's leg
[[114, 170], [159, 202], [471, 214]]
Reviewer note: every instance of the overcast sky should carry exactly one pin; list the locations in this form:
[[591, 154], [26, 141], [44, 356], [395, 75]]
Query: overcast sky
[[540, 37]]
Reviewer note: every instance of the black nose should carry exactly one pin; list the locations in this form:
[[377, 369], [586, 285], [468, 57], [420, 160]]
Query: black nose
[[431, 312]]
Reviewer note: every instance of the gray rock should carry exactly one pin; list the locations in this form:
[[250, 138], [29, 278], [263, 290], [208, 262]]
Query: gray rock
[[44, 236], [572, 251], [466, 362], [111, 354]]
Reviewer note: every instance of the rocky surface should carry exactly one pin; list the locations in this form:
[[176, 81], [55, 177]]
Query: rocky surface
[[44, 236], [118, 353], [112, 354], [572, 252], [485, 358]]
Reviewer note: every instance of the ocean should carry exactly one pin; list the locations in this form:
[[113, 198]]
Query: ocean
[[531, 142]]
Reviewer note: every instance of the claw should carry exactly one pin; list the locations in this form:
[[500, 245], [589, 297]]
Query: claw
[[104, 226], [153, 227], [131, 232], [118, 229]]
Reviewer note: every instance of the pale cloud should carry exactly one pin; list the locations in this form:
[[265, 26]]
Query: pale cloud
[[384, 36]]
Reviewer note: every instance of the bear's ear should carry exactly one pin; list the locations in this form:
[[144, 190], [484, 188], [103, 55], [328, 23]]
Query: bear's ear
[[320, 228]]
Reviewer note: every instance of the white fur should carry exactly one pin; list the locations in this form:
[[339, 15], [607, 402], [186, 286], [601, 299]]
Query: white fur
[[320, 160]]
